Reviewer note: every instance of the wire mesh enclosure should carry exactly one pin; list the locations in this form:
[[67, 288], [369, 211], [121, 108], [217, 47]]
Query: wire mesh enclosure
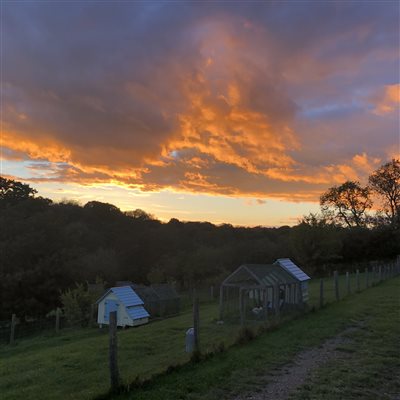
[[160, 300], [257, 291]]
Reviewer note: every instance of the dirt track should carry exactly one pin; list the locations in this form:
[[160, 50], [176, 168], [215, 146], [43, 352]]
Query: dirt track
[[293, 375]]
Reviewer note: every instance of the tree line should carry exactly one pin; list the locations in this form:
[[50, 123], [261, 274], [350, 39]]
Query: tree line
[[47, 247]]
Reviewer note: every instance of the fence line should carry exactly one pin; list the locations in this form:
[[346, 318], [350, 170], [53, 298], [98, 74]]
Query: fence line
[[13, 329]]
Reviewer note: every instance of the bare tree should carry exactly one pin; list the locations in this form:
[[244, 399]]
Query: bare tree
[[385, 181], [346, 204]]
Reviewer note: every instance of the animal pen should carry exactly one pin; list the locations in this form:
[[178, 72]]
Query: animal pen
[[160, 300], [257, 291]]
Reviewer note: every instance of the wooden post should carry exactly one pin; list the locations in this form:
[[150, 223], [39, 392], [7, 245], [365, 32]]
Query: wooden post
[[265, 303], [221, 302], [321, 293], [58, 313], [92, 315], [348, 283], [196, 321], [276, 299], [113, 352], [299, 294], [336, 283], [366, 278], [241, 307], [12, 330], [358, 280]]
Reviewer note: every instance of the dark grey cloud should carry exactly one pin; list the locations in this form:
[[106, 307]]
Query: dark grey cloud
[[116, 87]]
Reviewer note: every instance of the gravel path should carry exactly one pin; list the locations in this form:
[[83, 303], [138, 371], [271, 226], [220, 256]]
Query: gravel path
[[294, 375]]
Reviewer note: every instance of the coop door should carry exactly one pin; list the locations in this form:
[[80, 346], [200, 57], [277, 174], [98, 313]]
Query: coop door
[[110, 306]]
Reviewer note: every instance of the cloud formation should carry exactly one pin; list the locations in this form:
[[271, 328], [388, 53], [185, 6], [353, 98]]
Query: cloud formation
[[262, 100]]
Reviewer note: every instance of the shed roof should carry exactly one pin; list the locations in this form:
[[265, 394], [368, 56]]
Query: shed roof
[[137, 312], [126, 295], [292, 268], [259, 274]]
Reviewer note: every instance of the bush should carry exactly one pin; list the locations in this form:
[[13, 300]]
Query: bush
[[77, 305]]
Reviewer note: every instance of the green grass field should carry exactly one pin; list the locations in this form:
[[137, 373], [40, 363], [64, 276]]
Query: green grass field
[[74, 365]]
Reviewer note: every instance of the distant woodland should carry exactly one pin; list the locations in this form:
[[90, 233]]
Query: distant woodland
[[47, 247]]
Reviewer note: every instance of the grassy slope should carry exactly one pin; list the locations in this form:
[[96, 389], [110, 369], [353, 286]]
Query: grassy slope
[[247, 367], [372, 371], [74, 365]]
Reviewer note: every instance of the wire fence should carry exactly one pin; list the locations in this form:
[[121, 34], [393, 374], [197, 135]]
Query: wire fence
[[361, 278]]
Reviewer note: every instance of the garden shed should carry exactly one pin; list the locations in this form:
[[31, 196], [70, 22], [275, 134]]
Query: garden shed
[[258, 290], [129, 307]]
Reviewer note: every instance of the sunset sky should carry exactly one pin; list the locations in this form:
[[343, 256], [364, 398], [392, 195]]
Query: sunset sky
[[236, 112]]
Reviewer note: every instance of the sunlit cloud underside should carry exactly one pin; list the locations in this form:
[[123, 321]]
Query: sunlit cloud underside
[[240, 110]]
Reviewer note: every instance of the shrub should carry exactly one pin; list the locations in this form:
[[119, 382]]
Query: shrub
[[76, 305]]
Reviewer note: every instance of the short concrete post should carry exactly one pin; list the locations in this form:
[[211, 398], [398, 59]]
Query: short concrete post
[[113, 352], [12, 329], [321, 293], [380, 274], [58, 314], [212, 293], [366, 278], [358, 280], [336, 283]]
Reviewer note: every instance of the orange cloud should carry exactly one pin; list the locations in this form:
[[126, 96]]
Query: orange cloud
[[216, 106], [387, 100]]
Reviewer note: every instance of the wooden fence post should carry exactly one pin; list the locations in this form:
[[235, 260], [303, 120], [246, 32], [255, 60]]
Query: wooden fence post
[[92, 315], [348, 282], [321, 293], [366, 278], [299, 294], [336, 283], [241, 307], [113, 352], [196, 321], [12, 329], [276, 300], [358, 280], [265, 302], [221, 302], [58, 313]]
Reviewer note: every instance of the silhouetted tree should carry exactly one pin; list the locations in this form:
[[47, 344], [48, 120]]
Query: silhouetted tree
[[346, 204], [12, 191], [385, 181]]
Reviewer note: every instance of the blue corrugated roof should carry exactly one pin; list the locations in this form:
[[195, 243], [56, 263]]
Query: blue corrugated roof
[[127, 296], [137, 312], [293, 269]]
